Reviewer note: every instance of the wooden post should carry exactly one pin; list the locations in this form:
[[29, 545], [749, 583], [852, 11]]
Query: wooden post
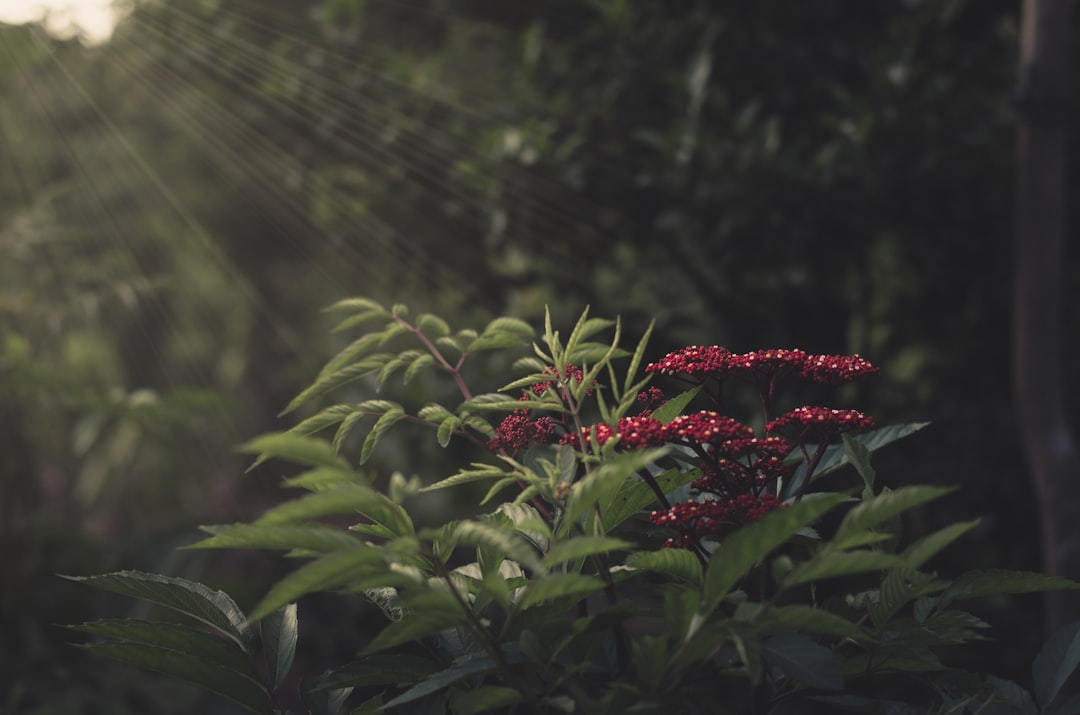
[[1053, 457]]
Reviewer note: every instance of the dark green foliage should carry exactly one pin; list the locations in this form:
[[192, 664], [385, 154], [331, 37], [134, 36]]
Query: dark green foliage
[[563, 600]]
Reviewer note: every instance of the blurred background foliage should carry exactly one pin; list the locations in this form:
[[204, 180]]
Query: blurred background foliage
[[178, 204]]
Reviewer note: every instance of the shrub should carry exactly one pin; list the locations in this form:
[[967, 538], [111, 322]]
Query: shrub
[[655, 553]]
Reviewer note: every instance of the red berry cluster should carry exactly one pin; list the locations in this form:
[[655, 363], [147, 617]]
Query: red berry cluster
[[696, 519], [517, 431], [573, 372], [719, 362], [706, 427], [818, 423], [743, 465]]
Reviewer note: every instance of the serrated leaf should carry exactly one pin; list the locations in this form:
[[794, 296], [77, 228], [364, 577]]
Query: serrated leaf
[[835, 458], [314, 538], [581, 547], [329, 572], [433, 412], [326, 701], [387, 420], [214, 608], [604, 481], [446, 430], [635, 495], [429, 613], [180, 638], [295, 448], [322, 478], [432, 325], [559, 585], [346, 499], [511, 325], [925, 548], [480, 425], [353, 304], [323, 419], [993, 582], [680, 563], [279, 631], [351, 352], [738, 553], [859, 456], [806, 618], [502, 541], [830, 564], [481, 472], [805, 661], [222, 681], [345, 429], [494, 341], [532, 364], [883, 507], [636, 359], [463, 667], [359, 319], [674, 407], [424, 361], [1056, 661], [337, 378]]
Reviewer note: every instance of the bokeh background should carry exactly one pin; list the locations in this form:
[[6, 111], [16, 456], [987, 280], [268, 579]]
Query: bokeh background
[[180, 200]]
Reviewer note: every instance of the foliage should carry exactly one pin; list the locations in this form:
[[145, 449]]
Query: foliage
[[648, 557]]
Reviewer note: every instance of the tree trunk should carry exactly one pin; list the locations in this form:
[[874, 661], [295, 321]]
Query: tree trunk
[[1051, 447]]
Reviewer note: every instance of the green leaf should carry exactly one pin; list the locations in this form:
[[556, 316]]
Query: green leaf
[[214, 608], [673, 408], [346, 499], [294, 447], [581, 547], [637, 358], [604, 481], [464, 667], [180, 638], [315, 538], [323, 478], [278, 632], [738, 553], [801, 617], [805, 661], [334, 570], [559, 585], [323, 419], [680, 563], [1057, 660], [1018, 697], [511, 325], [859, 455], [494, 341], [883, 507], [502, 541], [222, 681], [386, 421], [353, 304], [830, 564], [338, 377], [433, 412], [423, 361], [359, 319], [635, 495], [482, 472], [429, 613], [446, 429], [925, 548], [432, 325], [835, 457], [993, 582], [385, 669], [325, 701]]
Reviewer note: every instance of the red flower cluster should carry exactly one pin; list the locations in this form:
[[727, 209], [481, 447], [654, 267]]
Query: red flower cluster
[[695, 519], [694, 360], [837, 369], [633, 433], [517, 431], [718, 362], [808, 423], [706, 427], [651, 398]]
